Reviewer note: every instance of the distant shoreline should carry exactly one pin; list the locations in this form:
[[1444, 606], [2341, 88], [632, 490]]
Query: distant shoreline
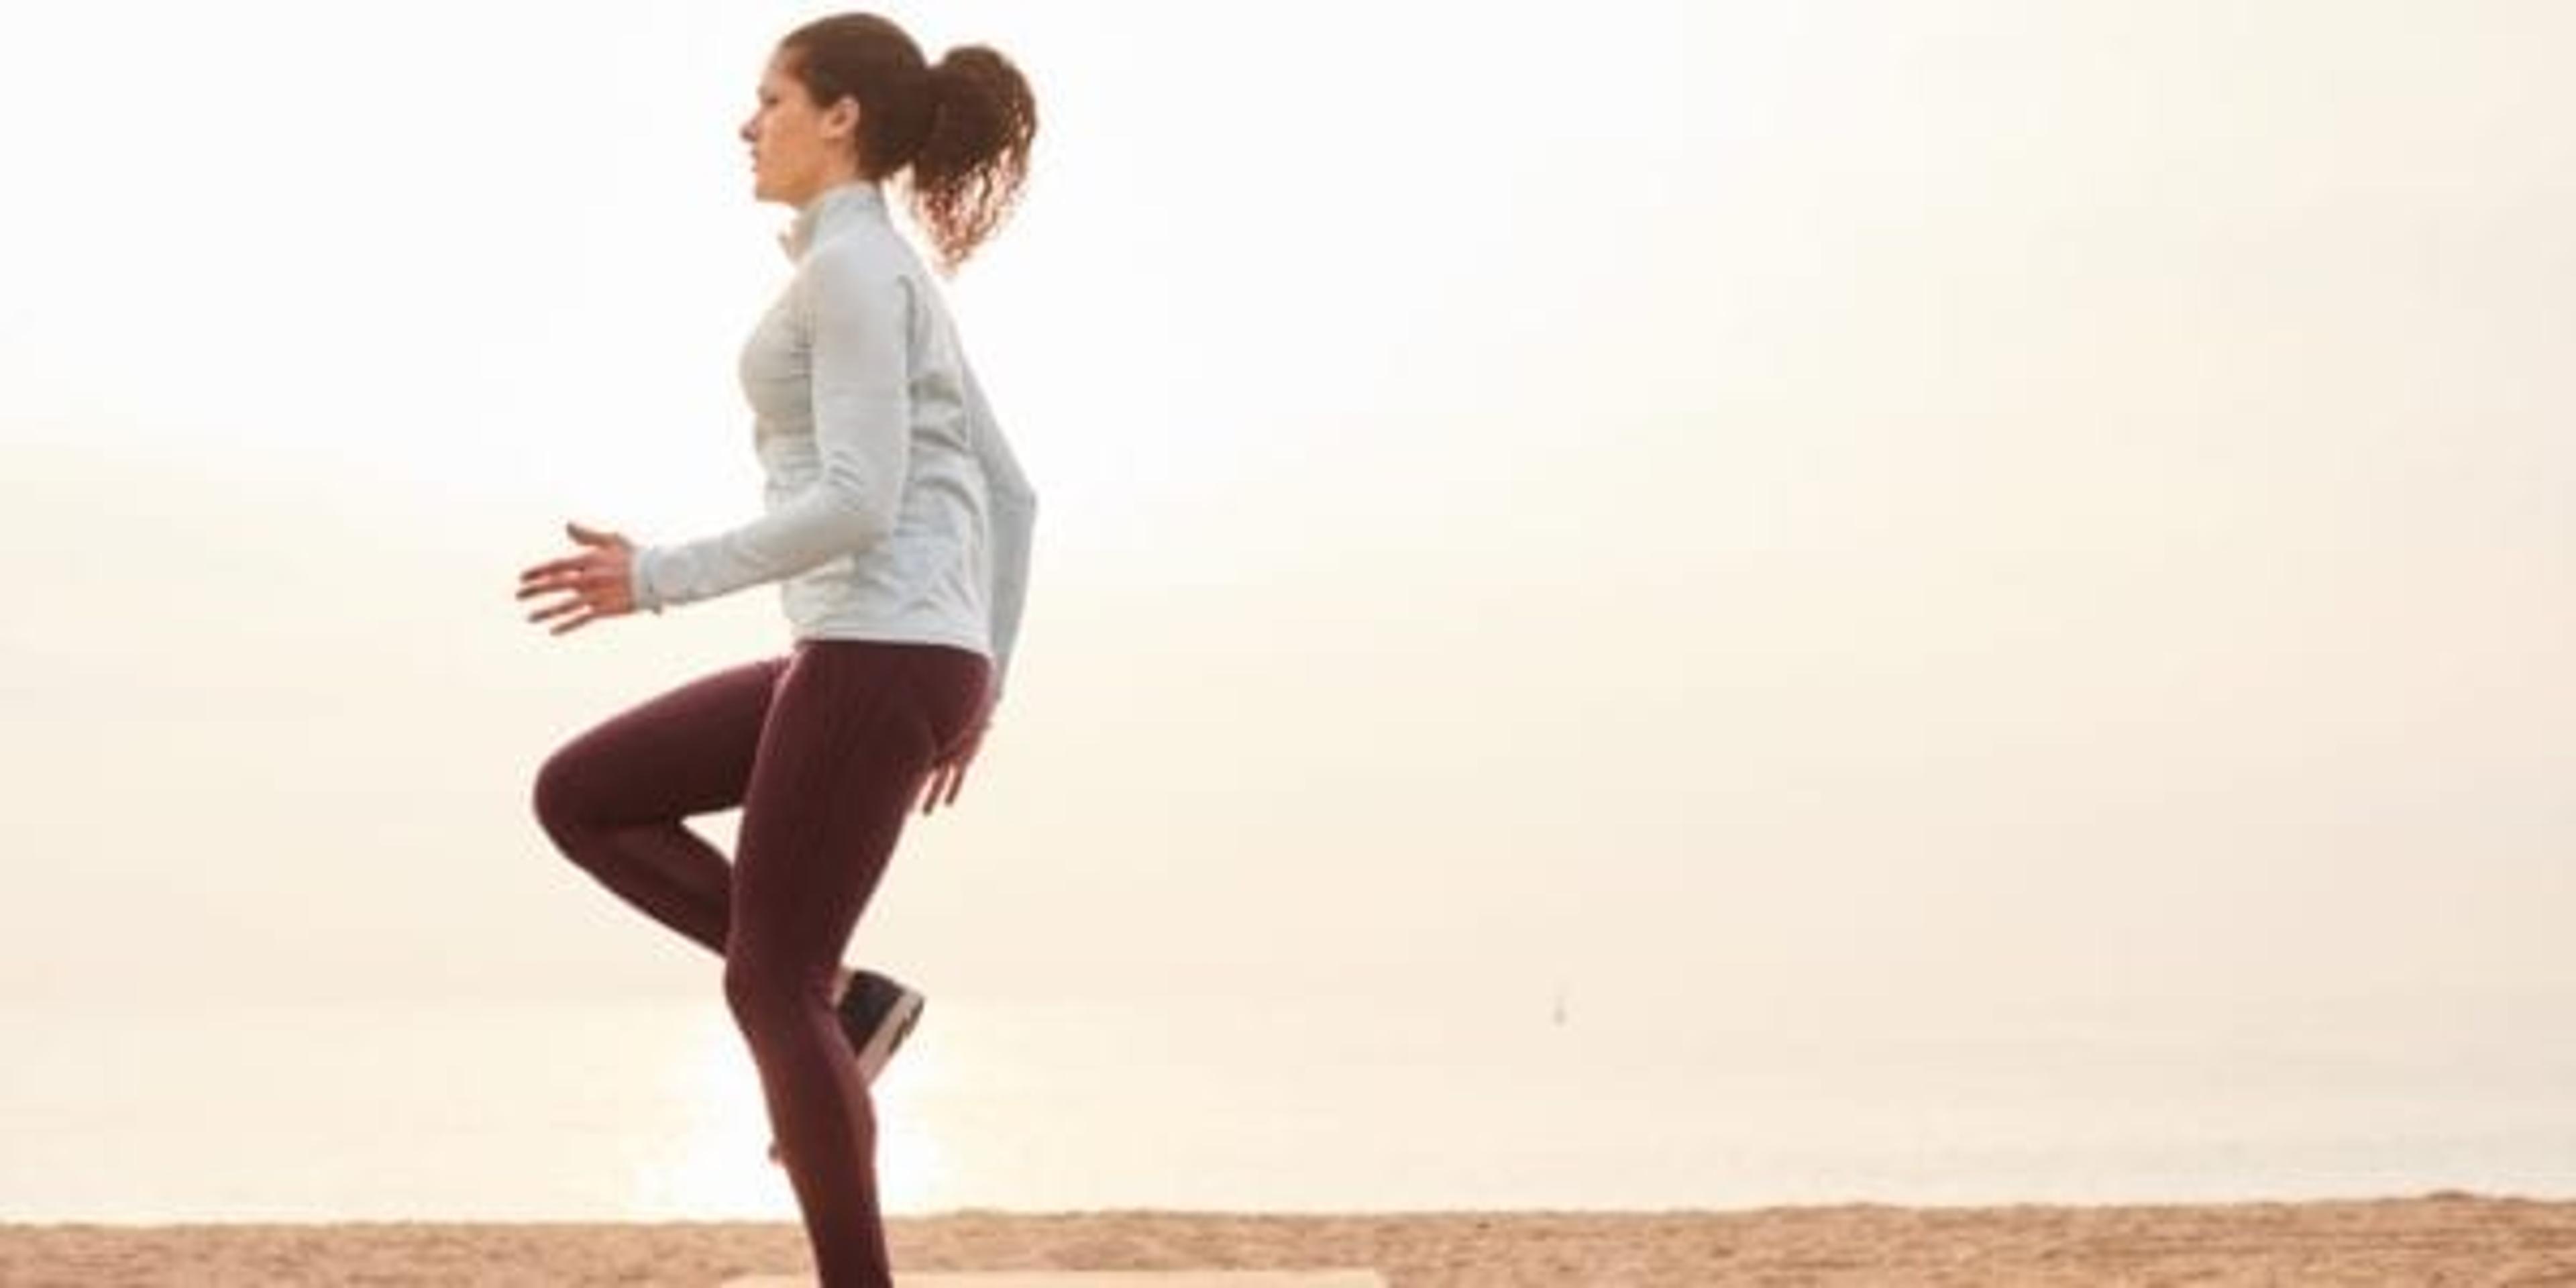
[[2444, 1235]]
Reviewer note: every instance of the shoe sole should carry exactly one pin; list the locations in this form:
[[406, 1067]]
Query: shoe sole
[[891, 1031]]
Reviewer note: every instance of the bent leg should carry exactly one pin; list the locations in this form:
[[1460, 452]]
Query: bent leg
[[613, 798]]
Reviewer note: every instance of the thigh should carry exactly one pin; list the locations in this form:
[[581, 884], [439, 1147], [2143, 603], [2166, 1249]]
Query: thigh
[[687, 751], [841, 760]]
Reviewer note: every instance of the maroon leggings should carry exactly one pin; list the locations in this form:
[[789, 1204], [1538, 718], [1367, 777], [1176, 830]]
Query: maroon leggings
[[825, 749]]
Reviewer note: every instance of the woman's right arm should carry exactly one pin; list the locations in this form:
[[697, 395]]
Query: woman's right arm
[[1014, 515]]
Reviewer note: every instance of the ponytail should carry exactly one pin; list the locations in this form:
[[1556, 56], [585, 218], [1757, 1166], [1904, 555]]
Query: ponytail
[[968, 174]]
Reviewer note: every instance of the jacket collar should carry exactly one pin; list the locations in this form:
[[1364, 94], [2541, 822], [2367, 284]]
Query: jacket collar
[[829, 209]]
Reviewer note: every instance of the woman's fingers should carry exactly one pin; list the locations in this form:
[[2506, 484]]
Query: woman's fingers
[[569, 579], [553, 568], [948, 776], [945, 779], [570, 574], [579, 567], [596, 536], [960, 759], [593, 583], [556, 610]]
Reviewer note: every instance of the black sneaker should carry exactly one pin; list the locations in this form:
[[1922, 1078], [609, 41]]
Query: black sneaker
[[877, 1013]]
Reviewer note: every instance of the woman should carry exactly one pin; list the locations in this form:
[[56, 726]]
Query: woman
[[897, 524]]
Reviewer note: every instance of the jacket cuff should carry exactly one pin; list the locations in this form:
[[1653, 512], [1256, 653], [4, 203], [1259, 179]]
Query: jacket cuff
[[639, 581]]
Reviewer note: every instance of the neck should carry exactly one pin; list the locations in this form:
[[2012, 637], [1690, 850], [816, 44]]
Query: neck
[[835, 177], [825, 204]]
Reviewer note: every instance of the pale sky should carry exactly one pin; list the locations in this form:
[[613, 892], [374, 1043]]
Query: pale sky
[[1752, 502]]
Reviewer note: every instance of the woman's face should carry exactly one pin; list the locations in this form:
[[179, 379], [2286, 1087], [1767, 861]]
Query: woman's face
[[797, 149]]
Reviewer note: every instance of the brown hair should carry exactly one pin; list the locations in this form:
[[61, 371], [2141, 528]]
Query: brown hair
[[961, 127]]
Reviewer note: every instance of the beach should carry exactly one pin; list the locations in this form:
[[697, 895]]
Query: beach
[[2444, 1238]]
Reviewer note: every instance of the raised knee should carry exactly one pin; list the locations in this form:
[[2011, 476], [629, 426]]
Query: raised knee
[[555, 795]]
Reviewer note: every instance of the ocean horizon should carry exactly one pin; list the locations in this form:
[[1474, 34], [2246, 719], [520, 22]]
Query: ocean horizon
[[646, 1109]]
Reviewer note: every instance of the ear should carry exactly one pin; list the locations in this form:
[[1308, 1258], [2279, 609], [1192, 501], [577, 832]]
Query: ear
[[841, 120]]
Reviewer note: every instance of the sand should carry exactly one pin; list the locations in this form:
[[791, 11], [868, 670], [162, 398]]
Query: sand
[[2446, 1238], [1100, 1279]]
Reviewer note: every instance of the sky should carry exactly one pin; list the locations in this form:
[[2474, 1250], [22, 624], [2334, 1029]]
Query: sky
[[1757, 504]]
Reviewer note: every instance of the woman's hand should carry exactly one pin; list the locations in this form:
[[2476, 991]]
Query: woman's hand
[[948, 773], [594, 583]]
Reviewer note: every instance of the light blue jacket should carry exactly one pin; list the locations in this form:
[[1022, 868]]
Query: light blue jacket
[[893, 508]]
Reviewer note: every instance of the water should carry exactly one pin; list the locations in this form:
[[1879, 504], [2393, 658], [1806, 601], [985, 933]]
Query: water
[[647, 1110]]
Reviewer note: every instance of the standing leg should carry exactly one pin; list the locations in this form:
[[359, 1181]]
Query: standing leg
[[613, 798], [849, 741]]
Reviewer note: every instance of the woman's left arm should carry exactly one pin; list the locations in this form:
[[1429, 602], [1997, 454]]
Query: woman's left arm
[[861, 317]]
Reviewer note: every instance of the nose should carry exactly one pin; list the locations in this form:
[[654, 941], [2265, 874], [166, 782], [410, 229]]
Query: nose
[[748, 134]]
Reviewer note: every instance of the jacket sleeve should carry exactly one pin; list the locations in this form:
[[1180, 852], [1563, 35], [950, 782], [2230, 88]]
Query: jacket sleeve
[[861, 321], [1014, 515]]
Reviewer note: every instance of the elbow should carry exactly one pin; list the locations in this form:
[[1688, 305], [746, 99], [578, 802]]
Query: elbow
[[865, 526], [859, 517]]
